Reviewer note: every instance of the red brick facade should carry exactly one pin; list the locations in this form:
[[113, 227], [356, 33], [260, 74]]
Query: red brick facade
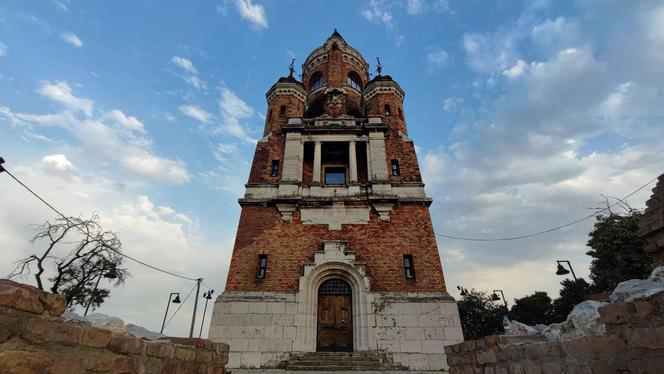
[[380, 244]]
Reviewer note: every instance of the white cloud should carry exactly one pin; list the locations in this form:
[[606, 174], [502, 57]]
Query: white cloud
[[72, 39], [3, 49], [254, 13], [61, 92], [533, 153], [516, 70], [185, 64], [195, 82], [58, 165], [196, 112], [451, 103], [154, 167], [233, 105], [112, 143], [129, 122], [414, 7], [437, 59], [190, 73]]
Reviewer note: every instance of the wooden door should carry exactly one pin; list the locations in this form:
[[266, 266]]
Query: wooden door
[[335, 319]]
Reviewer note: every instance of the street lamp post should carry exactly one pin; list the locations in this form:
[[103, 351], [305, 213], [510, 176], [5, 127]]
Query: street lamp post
[[174, 301], [112, 274], [495, 297], [207, 296], [562, 271]]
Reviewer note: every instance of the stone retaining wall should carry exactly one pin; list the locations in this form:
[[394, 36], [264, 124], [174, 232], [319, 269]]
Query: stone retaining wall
[[634, 343], [34, 339], [651, 227]]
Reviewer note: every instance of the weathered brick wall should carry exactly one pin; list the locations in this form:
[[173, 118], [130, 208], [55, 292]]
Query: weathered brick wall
[[34, 339], [634, 343], [290, 244], [651, 227]]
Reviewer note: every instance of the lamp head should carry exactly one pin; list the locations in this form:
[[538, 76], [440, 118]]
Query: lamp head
[[112, 274], [177, 299], [495, 297], [561, 270]]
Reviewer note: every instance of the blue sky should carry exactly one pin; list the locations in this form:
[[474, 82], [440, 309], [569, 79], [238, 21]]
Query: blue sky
[[523, 113]]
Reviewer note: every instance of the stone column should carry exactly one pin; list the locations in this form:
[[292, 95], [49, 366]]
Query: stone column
[[352, 162], [316, 176], [292, 169], [368, 160]]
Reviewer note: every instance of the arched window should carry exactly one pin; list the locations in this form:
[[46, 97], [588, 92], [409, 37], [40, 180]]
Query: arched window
[[317, 81], [400, 114], [282, 111], [387, 110], [354, 80]]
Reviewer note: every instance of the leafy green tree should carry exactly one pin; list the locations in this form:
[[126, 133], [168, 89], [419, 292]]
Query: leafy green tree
[[480, 317], [533, 309], [617, 250], [571, 294]]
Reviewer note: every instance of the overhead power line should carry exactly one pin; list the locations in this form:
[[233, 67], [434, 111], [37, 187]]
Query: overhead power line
[[475, 239], [2, 168]]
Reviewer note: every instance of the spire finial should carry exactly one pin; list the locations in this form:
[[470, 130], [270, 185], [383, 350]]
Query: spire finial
[[379, 67], [291, 68]]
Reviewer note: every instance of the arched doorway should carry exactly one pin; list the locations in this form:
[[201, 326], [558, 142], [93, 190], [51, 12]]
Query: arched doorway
[[335, 316]]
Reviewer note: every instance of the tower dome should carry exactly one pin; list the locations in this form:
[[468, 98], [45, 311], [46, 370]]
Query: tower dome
[[334, 76]]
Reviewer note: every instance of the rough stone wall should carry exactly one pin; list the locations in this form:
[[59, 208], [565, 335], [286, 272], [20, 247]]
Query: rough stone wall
[[264, 329], [652, 224], [381, 245], [34, 339], [634, 343]]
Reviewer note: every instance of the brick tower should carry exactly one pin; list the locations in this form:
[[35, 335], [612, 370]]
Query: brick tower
[[335, 250]]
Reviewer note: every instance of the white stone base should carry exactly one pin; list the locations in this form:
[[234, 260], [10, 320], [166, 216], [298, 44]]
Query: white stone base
[[264, 328]]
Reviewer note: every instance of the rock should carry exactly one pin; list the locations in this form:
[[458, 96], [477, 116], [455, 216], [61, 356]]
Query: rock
[[71, 316], [586, 319], [657, 275], [142, 332], [635, 289], [114, 324], [554, 331], [521, 329]]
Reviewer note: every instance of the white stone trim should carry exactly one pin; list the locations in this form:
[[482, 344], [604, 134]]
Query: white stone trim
[[283, 88], [335, 262]]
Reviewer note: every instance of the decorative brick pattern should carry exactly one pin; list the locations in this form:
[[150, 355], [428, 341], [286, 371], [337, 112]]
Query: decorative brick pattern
[[634, 344], [34, 339]]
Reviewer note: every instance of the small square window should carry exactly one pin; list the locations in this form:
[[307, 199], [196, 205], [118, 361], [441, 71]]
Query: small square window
[[408, 266], [275, 168], [335, 175], [395, 168], [262, 266]]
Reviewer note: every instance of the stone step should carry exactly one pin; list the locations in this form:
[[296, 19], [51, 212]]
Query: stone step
[[340, 361]]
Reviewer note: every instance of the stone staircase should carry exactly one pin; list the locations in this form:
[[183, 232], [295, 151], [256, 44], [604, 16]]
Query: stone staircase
[[342, 361]]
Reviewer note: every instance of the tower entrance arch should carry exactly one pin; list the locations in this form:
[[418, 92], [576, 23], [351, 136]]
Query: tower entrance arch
[[335, 317]]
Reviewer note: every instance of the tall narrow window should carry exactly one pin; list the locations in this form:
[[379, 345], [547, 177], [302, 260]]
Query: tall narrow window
[[395, 168], [400, 114], [317, 81], [275, 168], [262, 266], [353, 80], [408, 266], [282, 111], [387, 110]]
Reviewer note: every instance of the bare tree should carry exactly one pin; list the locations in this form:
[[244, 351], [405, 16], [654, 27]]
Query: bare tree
[[78, 252]]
